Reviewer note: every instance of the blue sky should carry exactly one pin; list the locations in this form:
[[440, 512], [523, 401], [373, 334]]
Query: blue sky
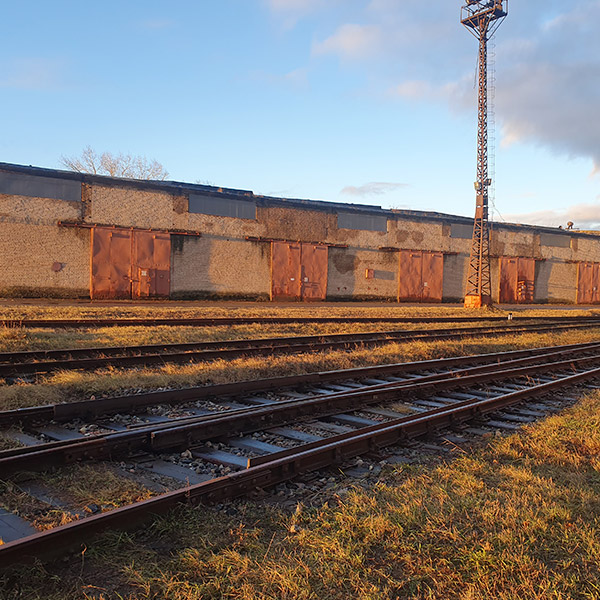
[[365, 101]]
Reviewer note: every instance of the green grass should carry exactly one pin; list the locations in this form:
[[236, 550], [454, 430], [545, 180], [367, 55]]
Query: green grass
[[516, 520]]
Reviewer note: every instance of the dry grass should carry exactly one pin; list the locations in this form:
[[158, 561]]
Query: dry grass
[[23, 309], [518, 520], [15, 339], [69, 386], [78, 487]]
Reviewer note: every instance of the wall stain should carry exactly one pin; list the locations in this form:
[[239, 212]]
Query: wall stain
[[180, 204], [343, 261]]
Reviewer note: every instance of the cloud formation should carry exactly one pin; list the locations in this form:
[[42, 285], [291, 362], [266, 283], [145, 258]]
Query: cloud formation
[[374, 188], [293, 5], [548, 64], [296, 79], [291, 11], [352, 41], [584, 216], [32, 74]]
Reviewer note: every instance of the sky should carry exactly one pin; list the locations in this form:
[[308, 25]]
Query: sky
[[361, 101]]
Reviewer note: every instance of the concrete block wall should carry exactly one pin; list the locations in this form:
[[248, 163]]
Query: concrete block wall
[[219, 267], [131, 208], [221, 262], [31, 244], [347, 274]]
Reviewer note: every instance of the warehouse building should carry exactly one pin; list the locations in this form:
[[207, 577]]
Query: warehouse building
[[65, 234]]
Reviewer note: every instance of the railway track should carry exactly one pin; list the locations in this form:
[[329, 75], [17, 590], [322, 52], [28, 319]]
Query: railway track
[[266, 438], [20, 364], [227, 321]]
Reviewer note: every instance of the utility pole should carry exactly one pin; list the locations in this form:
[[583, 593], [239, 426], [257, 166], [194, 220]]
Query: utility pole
[[482, 18]]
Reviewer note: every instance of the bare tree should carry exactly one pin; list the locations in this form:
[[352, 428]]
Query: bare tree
[[115, 165]]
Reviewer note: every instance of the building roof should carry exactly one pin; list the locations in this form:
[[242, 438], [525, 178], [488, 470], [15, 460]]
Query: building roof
[[181, 188]]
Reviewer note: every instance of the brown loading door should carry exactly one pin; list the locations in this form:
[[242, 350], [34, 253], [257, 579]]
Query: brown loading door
[[151, 264], [298, 271], [517, 280], [588, 283], [314, 272], [111, 263], [421, 276], [129, 264]]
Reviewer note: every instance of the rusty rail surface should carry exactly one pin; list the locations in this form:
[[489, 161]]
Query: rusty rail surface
[[34, 362], [225, 321], [282, 468], [186, 431], [136, 402]]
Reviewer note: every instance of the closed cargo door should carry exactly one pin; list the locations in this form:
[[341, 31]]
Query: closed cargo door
[[285, 271], [596, 284], [410, 276], [432, 276], [585, 283], [525, 280], [314, 272], [111, 263], [509, 272], [151, 264], [128, 264]]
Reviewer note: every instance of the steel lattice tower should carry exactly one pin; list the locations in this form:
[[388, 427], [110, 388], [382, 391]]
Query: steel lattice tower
[[482, 18]]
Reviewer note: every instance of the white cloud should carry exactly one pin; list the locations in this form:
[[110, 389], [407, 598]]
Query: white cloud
[[413, 90], [32, 74], [297, 78], [352, 41], [584, 216], [293, 5], [374, 188], [548, 64], [289, 12]]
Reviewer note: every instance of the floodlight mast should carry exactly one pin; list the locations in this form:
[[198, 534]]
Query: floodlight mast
[[482, 18]]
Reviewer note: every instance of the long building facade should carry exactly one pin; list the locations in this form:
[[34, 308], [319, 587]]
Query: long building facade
[[65, 234]]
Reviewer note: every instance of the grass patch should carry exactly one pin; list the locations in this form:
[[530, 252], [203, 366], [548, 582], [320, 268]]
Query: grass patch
[[85, 488], [86, 310], [15, 339], [516, 520], [68, 386], [7, 443]]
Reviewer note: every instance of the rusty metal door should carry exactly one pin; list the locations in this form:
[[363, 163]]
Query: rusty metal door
[[151, 264], [128, 264], [285, 271], [410, 282], [525, 280], [314, 272], [432, 276], [509, 275], [596, 284], [111, 263], [586, 282]]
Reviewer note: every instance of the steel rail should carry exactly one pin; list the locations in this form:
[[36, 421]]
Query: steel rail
[[20, 357], [227, 321], [331, 452], [185, 432], [263, 347], [136, 402]]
